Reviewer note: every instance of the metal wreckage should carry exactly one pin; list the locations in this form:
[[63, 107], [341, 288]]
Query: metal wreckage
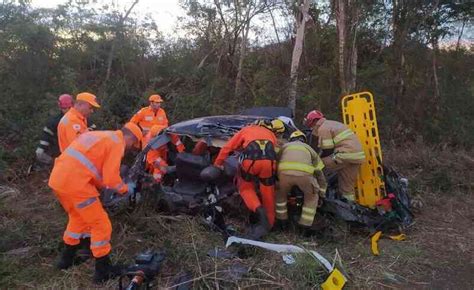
[[382, 193], [186, 190]]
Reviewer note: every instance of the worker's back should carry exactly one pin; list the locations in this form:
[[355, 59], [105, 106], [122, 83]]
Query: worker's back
[[91, 158]]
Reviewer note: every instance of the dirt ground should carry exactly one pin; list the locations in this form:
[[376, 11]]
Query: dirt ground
[[437, 254]]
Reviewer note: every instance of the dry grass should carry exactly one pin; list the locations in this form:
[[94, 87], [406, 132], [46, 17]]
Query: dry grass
[[438, 251]]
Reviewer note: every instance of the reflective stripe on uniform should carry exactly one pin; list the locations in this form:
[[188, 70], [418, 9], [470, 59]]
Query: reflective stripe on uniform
[[114, 137], [327, 144], [319, 166], [77, 235], [289, 165], [99, 243], [86, 202], [64, 120], [88, 140], [307, 214], [47, 130], [146, 128], [84, 161], [45, 143], [343, 135], [157, 176], [281, 208], [351, 156]]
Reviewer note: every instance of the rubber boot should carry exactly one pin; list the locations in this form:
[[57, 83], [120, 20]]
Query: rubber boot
[[262, 227], [84, 251], [67, 257], [104, 270], [305, 231]]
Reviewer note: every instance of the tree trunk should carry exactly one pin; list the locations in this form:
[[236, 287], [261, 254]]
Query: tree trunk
[[341, 36], [434, 63], [352, 67], [301, 17], [114, 42], [243, 52]]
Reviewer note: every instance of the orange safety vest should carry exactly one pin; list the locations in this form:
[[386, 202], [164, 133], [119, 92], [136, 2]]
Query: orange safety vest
[[94, 157], [71, 125], [146, 118]]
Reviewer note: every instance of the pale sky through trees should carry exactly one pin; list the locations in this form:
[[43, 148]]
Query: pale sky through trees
[[164, 12]]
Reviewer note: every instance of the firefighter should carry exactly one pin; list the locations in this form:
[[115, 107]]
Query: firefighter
[[157, 159], [257, 144], [299, 165], [151, 115], [346, 152], [48, 148], [91, 162], [74, 122]]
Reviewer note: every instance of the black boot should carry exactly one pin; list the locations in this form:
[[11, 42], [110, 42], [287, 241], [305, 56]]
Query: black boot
[[262, 227], [104, 270], [84, 251], [281, 225], [67, 257]]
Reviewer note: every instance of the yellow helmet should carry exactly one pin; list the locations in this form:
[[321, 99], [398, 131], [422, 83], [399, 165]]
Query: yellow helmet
[[297, 134], [278, 126]]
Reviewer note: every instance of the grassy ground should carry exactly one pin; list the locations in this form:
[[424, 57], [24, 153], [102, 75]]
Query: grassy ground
[[438, 252]]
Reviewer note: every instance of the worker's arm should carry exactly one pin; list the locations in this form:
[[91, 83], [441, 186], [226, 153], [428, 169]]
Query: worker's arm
[[233, 144], [325, 138], [177, 142], [68, 133], [165, 119], [111, 169], [319, 175], [137, 118]]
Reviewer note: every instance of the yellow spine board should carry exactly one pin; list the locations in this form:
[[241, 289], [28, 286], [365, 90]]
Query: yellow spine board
[[358, 112]]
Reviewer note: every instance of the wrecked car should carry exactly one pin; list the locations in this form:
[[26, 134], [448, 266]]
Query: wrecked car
[[186, 190]]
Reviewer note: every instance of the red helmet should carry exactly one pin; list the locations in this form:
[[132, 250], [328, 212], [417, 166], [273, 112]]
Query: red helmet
[[65, 101], [312, 117]]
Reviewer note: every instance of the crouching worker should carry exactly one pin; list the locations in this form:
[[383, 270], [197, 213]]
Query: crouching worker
[[256, 144], [90, 163], [157, 159], [347, 152], [299, 165]]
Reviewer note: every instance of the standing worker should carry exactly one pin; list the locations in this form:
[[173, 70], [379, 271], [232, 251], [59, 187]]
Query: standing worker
[[74, 122], [91, 161], [347, 153], [151, 115], [48, 148], [257, 143], [299, 165]]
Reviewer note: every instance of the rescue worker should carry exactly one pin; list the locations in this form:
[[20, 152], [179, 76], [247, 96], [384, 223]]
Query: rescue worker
[[157, 159], [48, 148], [347, 152], [74, 122], [257, 143], [299, 165], [151, 115], [91, 162]]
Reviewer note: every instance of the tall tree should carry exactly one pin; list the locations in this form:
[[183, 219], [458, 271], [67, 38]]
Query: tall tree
[[302, 16], [347, 18]]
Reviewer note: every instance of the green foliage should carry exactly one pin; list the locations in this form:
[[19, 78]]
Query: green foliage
[[47, 52]]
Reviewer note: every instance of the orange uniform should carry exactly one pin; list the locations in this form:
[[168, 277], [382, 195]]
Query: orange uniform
[[251, 169], [72, 124], [91, 161], [157, 159], [146, 118]]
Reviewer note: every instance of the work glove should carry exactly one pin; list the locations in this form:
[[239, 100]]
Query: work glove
[[131, 187]]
